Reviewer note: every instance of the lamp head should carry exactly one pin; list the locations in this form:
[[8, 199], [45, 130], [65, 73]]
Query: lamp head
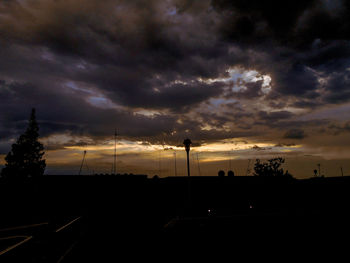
[[187, 143]]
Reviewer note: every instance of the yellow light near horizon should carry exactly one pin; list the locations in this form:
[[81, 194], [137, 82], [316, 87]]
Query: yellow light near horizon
[[140, 152], [226, 147], [89, 148], [209, 148], [215, 159]]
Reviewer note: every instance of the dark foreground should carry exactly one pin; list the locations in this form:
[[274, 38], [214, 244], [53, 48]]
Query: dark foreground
[[107, 219]]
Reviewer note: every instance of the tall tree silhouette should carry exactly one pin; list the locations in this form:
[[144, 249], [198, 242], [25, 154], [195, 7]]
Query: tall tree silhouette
[[270, 168], [26, 156]]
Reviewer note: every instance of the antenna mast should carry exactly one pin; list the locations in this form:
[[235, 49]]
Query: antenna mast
[[230, 160], [82, 163], [115, 153]]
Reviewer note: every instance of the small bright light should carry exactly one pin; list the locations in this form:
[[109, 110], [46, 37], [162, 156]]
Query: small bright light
[[250, 206]]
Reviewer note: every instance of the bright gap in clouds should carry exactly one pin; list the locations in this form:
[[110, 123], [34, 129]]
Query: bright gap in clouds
[[239, 76]]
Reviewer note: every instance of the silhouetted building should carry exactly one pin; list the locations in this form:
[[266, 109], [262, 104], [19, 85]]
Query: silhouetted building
[[221, 173]]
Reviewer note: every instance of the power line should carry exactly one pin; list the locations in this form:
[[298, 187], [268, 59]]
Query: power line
[[82, 163], [199, 170]]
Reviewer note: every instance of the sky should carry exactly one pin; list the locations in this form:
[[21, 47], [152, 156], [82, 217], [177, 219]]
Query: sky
[[243, 79]]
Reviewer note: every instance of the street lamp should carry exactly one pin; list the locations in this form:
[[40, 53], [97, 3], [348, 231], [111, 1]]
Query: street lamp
[[187, 143]]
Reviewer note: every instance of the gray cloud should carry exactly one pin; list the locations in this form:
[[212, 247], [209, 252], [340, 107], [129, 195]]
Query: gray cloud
[[295, 134]]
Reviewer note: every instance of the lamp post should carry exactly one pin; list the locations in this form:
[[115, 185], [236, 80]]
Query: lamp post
[[187, 143]]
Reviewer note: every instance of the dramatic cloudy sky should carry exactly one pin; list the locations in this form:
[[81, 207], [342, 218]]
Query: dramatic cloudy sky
[[244, 79]]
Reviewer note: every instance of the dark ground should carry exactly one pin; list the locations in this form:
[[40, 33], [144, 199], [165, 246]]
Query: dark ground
[[107, 218]]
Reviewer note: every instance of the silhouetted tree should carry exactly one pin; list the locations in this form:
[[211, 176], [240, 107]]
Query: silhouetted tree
[[230, 173], [26, 156], [221, 173], [270, 168]]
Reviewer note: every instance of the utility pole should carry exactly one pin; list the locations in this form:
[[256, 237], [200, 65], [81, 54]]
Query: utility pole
[[199, 170], [82, 163], [319, 169], [175, 164], [160, 163], [341, 169], [248, 170]]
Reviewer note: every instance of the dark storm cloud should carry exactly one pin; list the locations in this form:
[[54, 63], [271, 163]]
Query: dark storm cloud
[[274, 116], [61, 110], [305, 40], [295, 134], [338, 87], [260, 19], [74, 116], [125, 50], [159, 55], [291, 23], [337, 128], [175, 96], [303, 81]]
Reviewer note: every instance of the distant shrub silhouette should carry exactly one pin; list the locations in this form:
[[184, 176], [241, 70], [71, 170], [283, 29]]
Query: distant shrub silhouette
[[230, 173], [270, 168], [221, 173], [26, 156]]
